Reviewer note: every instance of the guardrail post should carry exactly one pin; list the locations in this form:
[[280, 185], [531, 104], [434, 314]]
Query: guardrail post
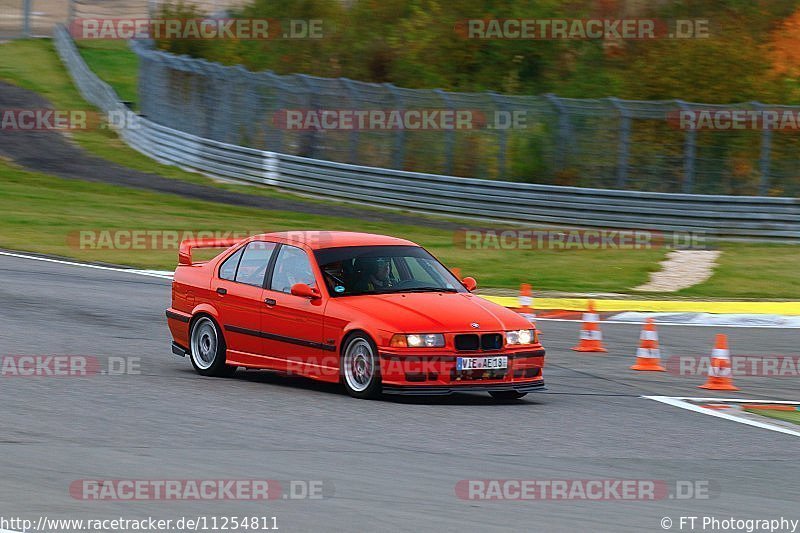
[[449, 136], [689, 149], [502, 135], [624, 142], [399, 153], [271, 164], [765, 157], [26, 18]]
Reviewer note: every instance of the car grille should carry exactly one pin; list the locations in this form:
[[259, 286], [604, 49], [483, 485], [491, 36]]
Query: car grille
[[470, 342]]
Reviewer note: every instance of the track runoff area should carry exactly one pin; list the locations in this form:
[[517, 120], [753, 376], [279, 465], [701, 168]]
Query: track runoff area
[[600, 419]]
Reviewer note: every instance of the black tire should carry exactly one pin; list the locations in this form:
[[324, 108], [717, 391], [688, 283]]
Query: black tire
[[360, 367], [207, 348], [507, 395]]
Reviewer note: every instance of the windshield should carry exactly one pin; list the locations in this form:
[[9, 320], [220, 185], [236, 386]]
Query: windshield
[[355, 270]]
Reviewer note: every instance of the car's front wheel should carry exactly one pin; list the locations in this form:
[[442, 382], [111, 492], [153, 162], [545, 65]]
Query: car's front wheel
[[207, 349], [507, 395], [360, 367]]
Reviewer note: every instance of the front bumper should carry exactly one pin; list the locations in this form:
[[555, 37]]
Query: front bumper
[[534, 386], [437, 373]]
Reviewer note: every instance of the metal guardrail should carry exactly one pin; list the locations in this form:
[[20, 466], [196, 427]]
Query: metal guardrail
[[750, 217]]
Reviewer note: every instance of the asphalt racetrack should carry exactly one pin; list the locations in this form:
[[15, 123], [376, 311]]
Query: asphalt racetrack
[[390, 465]]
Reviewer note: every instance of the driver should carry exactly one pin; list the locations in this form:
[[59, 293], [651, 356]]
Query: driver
[[373, 273]]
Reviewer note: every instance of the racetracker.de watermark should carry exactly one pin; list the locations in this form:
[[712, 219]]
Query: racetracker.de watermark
[[47, 119], [419, 119], [199, 489], [242, 29], [42, 119], [771, 366], [584, 489], [582, 29], [149, 239], [731, 119], [35, 366], [599, 239]]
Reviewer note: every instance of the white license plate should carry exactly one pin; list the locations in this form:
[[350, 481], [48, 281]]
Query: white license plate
[[482, 363]]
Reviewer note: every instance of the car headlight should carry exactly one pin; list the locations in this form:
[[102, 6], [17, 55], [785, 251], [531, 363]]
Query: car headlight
[[521, 336], [419, 340]]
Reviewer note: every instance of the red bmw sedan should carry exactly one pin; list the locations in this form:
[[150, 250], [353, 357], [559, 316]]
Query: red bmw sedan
[[377, 313]]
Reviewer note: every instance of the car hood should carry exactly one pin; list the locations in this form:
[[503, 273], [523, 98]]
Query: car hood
[[436, 312]]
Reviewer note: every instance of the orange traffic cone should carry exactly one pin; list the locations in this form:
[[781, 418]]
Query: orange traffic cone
[[648, 356], [525, 299], [591, 336], [719, 374]]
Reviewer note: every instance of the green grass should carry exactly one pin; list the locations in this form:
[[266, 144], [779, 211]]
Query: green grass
[[753, 271], [114, 63], [786, 416], [39, 213]]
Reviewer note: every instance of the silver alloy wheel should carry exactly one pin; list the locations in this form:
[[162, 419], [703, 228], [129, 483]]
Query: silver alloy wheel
[[359, 365], [204, 343]]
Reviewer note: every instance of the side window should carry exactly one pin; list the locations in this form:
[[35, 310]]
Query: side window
[[255, 260], [228, 268], [291, 267]]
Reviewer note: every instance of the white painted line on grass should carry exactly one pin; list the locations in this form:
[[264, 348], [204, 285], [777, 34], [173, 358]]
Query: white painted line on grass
[[683, 404]]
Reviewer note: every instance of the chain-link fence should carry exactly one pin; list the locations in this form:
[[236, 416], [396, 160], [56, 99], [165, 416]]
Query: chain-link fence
[[606, 143]]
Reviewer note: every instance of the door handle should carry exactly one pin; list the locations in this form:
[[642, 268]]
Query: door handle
[[270, 302], [222, 290]]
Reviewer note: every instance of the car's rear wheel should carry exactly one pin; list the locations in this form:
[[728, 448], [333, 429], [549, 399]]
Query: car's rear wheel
[[360, 367], [507, 395], [207, 347]]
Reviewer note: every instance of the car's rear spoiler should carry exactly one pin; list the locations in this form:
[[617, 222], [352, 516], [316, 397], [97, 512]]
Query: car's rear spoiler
[[185, 252]]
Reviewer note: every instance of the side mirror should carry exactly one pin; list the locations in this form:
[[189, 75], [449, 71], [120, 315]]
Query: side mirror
[[305, 291], [470, 283]]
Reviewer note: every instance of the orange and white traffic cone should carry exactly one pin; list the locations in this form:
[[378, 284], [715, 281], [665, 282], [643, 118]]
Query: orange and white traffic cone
[[591, 336], [648, 356], [525, 299], [719, 374]]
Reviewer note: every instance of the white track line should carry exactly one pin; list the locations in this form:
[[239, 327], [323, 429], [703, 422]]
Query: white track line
[[683, 404], [149, 273]]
